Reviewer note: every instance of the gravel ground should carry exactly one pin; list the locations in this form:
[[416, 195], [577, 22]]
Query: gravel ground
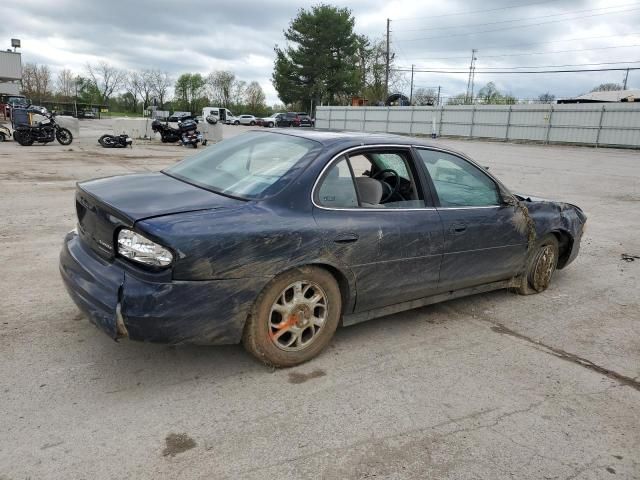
[[495, 386]]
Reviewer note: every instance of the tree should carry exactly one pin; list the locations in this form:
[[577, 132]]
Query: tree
[[106, 78], [254, 97], [66, 83], [223, 86], [36, 81], [372, 57], [188, 91], [425, 96], [132, 87], [546, 98], [459, 99], [160, 82], [322, 62], [489, 94], [607, 87]]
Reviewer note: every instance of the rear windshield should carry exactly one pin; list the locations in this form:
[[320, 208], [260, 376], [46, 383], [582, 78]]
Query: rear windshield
[[254, 165]]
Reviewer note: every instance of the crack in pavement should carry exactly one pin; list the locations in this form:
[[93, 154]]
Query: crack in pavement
[[569, 357]]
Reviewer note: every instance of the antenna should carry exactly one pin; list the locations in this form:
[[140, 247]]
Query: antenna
[[472, 72]]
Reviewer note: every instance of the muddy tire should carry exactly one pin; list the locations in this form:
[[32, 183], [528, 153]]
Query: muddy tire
[[541, 265], [294, 318]]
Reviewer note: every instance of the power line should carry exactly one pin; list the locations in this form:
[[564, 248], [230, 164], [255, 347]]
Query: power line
[[502, 47], [520, 19], [405, 19], [516, 26], [541, 66], [617, 69], [533, 53]]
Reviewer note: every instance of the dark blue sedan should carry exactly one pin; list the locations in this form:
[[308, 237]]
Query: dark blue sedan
[[274, 238]]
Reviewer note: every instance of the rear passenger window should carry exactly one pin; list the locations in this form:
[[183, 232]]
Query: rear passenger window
[[337, 189]]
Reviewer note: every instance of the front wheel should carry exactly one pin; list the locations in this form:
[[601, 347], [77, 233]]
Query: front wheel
[[294, 317], [252, 123], [270, 125], [541, 265], [64, 136], [2, 137], [107, 141], [236, 123]]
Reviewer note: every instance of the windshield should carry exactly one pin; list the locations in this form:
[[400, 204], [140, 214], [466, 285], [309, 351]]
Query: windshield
[[252, 166]]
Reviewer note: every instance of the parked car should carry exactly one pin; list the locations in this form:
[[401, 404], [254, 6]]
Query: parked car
[[88, 114], [289, 119], [247, 120], [275, 238], [306, 120], [271, 121], [179, 117]]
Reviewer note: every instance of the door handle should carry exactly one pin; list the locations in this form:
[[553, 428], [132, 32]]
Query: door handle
[[457, 228], [346, 238]]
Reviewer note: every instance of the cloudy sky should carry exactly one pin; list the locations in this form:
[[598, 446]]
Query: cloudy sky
[[201, 36]]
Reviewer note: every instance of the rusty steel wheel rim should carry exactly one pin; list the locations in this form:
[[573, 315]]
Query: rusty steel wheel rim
[[544, 268], [298, 315]]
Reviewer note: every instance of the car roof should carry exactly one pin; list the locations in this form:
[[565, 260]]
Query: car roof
[[348, 138]]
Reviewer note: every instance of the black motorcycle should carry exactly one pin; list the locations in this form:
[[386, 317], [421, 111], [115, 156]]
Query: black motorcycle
[[44, 131], [187, 132], [167, 134], [115, 141]]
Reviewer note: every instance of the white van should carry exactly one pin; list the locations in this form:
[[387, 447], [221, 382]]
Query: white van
[[223, 115]]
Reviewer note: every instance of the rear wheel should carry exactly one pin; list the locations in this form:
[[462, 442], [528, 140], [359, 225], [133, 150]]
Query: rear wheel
[[252, 123], [541, 265], [270, 125], [236, 123], [294, 317], [64, 136], [24, 138]]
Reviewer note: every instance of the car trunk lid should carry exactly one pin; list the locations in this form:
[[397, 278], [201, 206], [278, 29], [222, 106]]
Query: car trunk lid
[[105, 205]]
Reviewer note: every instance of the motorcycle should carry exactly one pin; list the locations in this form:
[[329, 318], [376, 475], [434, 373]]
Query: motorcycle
[[186, 133], [115, 141], [44, 131], [4, 133]]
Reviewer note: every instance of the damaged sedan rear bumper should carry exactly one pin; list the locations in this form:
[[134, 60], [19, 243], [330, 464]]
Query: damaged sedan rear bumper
[[123, 305]]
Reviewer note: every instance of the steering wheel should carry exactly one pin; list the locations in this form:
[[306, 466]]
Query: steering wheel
[[392, 189]]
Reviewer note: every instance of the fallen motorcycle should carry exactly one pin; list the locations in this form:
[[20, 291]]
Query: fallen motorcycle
[[115, 141], [186, 133], [44, 131]]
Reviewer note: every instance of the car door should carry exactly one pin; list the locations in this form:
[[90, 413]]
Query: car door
[[482, 240], [395, 250]]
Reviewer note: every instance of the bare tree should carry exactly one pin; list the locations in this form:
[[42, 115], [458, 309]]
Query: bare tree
[[160, 83], [607, 87], [238, 89], [106, 78], [132, 87], [254, 97], [66, 83], [221, 85], [546, 98], [29, 73], [146, 87], [424, 96], [36, 81]]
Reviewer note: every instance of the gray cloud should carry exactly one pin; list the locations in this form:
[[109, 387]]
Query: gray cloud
[[201, 36]]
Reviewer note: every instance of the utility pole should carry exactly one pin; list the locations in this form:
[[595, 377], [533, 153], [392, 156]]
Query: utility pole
[[438, 101], [386, 73], [472, 69], [626, 77], [411, 91]]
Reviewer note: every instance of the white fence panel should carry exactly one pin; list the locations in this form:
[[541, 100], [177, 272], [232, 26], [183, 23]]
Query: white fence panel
[[615, 124]]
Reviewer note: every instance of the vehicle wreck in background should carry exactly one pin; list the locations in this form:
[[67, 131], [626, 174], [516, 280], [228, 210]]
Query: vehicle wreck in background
[[275, 238]]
